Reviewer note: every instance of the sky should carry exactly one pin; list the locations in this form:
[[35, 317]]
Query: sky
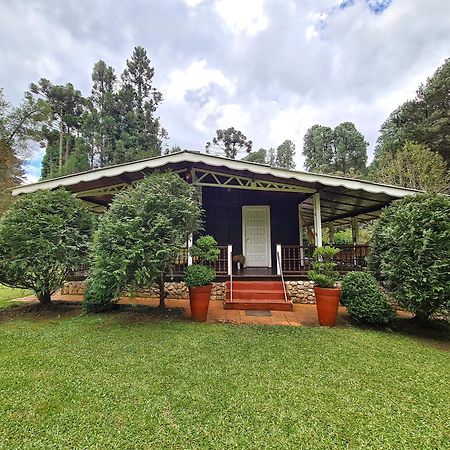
[[270, 68]]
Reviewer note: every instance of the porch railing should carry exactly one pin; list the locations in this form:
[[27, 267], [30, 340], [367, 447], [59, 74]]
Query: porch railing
[[298, 259], [221, 265]]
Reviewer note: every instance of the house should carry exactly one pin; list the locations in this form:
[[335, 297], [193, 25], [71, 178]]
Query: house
[[273, 217]]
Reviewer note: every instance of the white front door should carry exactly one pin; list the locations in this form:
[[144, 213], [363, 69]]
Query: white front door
[[256, 236]]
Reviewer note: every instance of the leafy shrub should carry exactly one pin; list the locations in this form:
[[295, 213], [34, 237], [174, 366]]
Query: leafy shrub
[[205, 249], [140, 238], [323, 273], [199, 275], [364, 300], [43, 237], [410, 252]]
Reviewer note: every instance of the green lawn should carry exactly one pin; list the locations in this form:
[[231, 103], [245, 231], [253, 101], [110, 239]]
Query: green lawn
[[7, 295], [115, 381]]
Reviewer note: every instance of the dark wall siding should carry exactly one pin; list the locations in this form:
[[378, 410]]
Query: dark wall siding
[[223, 216]]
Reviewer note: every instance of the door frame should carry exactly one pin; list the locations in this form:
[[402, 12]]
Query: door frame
[[269, 237]]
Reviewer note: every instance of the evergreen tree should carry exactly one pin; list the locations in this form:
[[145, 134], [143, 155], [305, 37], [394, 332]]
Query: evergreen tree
[[260, 156], [285, 155], [425, 119], [340, 151], [230, 142]]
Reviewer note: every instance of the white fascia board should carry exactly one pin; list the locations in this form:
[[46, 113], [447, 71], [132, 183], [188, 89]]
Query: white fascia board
[[215, 161]]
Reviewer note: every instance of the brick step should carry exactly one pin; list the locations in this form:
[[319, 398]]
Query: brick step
[[256, 295], [260, 286], [274, 305]]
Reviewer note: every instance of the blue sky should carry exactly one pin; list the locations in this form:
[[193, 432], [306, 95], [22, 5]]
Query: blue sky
[[271, 68]]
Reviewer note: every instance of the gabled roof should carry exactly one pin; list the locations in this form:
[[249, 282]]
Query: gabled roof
[[340, 198]]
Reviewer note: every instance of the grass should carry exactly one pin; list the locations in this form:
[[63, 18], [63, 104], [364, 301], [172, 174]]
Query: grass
[[114, 381], [8, 295]]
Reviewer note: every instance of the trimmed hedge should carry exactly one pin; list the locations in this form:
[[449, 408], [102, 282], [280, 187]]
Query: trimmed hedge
[[364, 300]]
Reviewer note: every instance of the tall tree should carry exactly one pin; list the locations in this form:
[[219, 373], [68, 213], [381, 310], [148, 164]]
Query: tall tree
[[140, 130], [66, 106], [339, 151], [350, 149], [285, 155], [259, 156], [318, 149], [425, 119], [17, 127], [413, 166], [230, 142]]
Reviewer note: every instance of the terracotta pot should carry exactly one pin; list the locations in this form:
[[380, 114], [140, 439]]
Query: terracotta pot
[[327, 304], [199, 301]]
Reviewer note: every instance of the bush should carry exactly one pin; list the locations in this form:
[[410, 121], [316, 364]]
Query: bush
[[324, 274], [205, 249], [140, 238], [199, 275], [364, 300], [410, 252], [43, 237]]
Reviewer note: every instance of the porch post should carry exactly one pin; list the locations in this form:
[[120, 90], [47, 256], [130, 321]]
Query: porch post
[[355, 230], [230, 259], [189, 245], [317, 220], [278, 249], [300, 235], [331, 234]]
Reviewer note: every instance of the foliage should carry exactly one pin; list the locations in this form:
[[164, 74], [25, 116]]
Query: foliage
[[199, 275], [205, 249], [340, 151], [413, 166], [80, 373], [285, 155], [115, 124], [425, 119], [140, 237], [259, 156], [230, 142], [323, 273], [44, 236], [16, 127], [410, 252], [364, 300]]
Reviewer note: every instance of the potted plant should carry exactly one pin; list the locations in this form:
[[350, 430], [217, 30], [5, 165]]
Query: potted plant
[[199, 276], [325, 277]]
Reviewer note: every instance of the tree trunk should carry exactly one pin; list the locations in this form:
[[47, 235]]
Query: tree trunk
[[67, 154], [61, 132], [45, 298], [162, 293]]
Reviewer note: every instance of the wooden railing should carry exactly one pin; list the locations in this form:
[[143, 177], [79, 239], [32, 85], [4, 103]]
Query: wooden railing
[[221, 265], [298, 259]]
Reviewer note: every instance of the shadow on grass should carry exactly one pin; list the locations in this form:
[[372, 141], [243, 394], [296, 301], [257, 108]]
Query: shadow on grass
[[59, 309]]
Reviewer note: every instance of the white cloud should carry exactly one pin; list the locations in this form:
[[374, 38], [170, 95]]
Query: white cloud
[[193, 3], [243, 16], [232, 115], [195, 77]]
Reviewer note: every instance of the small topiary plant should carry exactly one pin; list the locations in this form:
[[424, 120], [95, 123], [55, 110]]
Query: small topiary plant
[[323, 272], [199, 275], [410, 252], [364, 300], [205, 252]]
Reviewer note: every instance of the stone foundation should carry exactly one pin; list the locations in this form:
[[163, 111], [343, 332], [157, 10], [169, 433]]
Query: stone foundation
[[301, 291], [174, 289]]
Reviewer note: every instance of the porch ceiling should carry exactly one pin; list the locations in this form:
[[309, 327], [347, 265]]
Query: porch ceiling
[[341, 198]]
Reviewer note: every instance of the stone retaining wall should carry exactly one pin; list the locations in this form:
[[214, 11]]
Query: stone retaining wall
[[174, 289]]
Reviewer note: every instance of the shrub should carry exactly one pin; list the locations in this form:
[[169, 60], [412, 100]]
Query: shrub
[[410, 252], [199, 275], [364, 300], [140, 238], [205, 249], [43, 237], [324, 274]]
